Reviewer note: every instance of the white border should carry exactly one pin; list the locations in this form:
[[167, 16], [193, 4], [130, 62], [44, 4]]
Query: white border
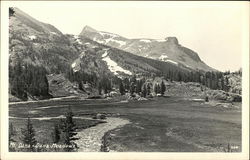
[[129, 155]]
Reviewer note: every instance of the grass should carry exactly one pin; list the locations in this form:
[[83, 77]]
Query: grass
[[160, 124], [44, 128]]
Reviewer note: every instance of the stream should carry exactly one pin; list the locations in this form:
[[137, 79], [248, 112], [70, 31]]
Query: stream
[[91, 138]]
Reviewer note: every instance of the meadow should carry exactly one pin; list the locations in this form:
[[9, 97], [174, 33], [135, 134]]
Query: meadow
[[160, 124]]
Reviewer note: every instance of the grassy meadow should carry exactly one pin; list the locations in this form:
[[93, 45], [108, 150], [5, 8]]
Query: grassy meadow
[[160, 124]]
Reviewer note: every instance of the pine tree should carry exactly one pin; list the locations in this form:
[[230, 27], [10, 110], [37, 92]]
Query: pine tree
[[29, 136], [99, 87], [12, 133], [226, 84], [132, 87], [11, 11], [179, 77], [80, 86], [121, 88], [156, 88], [144, 90], [148, 89], [138, 86], [222, 83], [70, 74], [126, 84], [163, 88], [69, 132], [133, 79], [56, 134], [206, 99], [26, 78]]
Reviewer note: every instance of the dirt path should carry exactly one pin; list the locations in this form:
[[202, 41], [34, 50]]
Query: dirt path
[[91, 138], [87, 104], [49, 118], [45, 100]]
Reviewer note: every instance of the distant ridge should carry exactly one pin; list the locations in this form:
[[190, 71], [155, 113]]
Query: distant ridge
[[168, 49]]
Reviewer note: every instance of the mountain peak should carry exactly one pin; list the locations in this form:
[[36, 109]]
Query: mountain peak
[[172, 40], [88, 29]]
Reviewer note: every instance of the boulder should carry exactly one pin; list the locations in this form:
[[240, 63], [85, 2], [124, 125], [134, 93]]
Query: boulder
[[99, 116]]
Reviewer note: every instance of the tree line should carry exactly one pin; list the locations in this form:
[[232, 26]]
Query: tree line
[[28, 80], [213, 80]]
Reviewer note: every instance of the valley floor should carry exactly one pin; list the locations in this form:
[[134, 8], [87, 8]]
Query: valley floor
[[160, 124]]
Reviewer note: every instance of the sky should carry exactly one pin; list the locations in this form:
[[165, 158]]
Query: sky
[[212, 29]]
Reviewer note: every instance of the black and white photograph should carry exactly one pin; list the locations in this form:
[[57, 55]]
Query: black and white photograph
[[122, 77]]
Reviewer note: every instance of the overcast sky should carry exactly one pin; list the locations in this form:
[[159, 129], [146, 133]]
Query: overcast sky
[[212, 29]]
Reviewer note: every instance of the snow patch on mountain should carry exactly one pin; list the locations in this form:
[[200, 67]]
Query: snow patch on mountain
[[106, 41], [73, 64], [171, 61], [77, 39], [105, 54], [108, 34], [160, 40], [53, 32], [145, 40], [114, 67], [74, 67], [121, 43], [32, 37], [93, 46], [166, 59], [99, 41], [162, 57], [76, 36], [82, 55]]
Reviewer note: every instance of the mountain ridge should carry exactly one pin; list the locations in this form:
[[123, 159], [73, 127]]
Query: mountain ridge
[[168, 49]]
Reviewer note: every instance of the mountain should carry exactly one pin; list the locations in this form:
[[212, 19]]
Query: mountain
[[40, 56], [38, 43], [167, 50], [44, 62], [105, 60], [36, 50]]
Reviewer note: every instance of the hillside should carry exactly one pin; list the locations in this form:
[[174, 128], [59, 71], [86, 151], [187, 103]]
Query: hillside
[[34, 45], [44, 63], [38, 43]]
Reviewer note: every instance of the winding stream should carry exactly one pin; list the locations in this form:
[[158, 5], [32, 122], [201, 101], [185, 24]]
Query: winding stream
[[91, 138]]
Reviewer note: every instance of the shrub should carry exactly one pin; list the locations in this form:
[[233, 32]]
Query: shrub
[[206, 99]]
